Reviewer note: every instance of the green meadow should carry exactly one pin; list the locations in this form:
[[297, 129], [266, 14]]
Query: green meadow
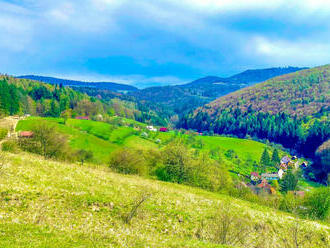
[[103, 138]]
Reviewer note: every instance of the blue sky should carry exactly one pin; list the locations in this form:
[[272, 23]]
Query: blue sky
[[163, 41]]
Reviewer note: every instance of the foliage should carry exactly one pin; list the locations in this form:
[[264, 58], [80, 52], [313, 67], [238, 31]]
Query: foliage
[[3, 133], [128, 161], [178, 165], [318, 203], [291, 110], [84, 155], [265, 160], [275, 157], [289, 182], [10, 146], [46, 141], [322, 161]]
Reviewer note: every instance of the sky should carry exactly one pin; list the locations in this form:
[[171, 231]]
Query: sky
[[145, 42]]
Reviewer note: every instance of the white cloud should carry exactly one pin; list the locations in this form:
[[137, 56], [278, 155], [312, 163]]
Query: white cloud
[[210, 6], [300, 52], [16, 28]]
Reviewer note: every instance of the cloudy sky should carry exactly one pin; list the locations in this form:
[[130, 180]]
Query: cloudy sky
[[162, 41]]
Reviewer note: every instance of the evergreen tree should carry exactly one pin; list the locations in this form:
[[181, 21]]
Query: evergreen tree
[[289, 182], [265, 159], [275, 157]]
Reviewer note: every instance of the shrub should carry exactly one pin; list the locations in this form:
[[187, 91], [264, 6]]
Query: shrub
[[48, 142], [3, 133], [128, 161], [83, 155], [318, 203], [10, 146]]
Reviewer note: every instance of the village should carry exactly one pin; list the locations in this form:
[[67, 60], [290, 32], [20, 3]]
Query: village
[[263, 183]]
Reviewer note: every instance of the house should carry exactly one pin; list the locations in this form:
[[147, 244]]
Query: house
[[26, 134], [270, 176], [280, 173], [152, 128], [254, 176], [284, 167], [285, 160], [82, 118], [163, 129]]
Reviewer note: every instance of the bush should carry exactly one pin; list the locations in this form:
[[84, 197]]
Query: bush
[[48, 142], [10, 146], [128, 161], [3, 133], [179, 166], [318, 203]]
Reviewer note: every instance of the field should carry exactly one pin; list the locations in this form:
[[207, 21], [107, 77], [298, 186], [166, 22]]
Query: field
[[52, 204], [104, 138]]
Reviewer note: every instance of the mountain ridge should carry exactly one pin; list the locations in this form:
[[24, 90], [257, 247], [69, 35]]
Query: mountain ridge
[[76, 83]]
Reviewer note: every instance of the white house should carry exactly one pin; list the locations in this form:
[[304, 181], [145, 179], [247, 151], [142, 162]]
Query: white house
[[152, 128], [280, 173]]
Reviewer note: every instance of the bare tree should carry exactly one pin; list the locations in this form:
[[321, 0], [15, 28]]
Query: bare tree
[[136, 205]]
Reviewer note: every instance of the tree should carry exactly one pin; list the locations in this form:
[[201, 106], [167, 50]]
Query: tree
[[289, 182], [66, 115], [128, 161], [275, 157], [47, 141], [84, 155], [264, 160]]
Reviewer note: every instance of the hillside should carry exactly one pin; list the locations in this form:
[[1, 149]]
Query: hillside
[[301, 93], [291, 109], [104, 138], [52, 204], [180, 99], [66, 82]]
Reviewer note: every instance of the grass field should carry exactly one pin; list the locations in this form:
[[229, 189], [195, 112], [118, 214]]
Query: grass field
[[52, 204], [103, 138]]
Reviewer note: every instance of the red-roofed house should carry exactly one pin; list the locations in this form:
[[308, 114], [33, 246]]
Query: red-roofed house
[[254, 176], [26, 134], [163, 129]]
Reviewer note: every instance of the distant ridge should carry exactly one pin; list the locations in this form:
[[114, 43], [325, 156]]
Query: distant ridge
[[66, 82], [260, 75]]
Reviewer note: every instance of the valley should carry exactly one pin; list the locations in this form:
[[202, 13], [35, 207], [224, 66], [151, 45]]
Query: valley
[[96, 166]]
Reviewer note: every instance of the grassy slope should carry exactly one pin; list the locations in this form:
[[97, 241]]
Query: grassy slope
[[51, 204], [102, 139]]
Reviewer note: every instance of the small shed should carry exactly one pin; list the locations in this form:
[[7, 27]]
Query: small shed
[[163, 129]]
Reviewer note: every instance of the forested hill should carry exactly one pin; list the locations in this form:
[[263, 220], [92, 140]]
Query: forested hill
[[292, 109], [65, 82], [301, 93], [24, 96], [181, 99], [260, 75]]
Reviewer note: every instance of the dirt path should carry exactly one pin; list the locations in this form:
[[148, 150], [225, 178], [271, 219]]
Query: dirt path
[[9, 123]]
